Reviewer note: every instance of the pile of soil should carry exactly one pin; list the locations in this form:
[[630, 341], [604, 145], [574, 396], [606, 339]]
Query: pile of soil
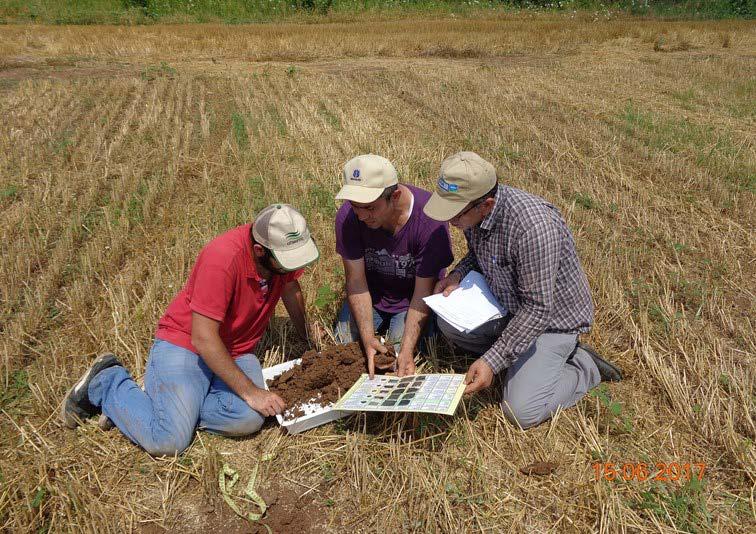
[[323, 377]]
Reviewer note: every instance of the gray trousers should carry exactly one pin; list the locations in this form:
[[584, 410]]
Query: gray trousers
[[549, 375]]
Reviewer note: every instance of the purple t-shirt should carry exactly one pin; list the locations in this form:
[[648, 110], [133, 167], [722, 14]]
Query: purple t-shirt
[[421, 248]]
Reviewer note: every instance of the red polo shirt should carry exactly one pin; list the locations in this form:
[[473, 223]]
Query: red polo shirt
[[224, 286]]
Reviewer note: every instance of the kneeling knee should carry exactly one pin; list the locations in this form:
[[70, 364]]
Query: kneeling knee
[[248, 425], [167, 447]]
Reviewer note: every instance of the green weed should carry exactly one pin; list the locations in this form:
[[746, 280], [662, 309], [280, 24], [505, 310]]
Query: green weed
[[684, 506], [278, 120], [319, 199], [685, 98], [325, 297], [724, 381], [62, 144], [9, 192], [239, 127], [256, 188], [52, 312], [16, 391], [329, 117], [585, 201], [713, 150], [509, 154], [39, 496], [152, 72], [135, 204], [326, 470], [616, 418]]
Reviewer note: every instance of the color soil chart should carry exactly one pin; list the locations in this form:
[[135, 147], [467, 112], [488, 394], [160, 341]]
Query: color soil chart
[[438, 393]]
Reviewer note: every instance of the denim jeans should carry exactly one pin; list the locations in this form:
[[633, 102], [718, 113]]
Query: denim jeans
[[180, 394], [389, 325]]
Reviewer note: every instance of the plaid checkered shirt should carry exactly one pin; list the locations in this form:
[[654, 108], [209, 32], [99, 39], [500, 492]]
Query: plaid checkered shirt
[[527, 255]]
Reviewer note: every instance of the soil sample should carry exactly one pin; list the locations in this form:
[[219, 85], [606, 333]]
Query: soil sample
[[323, 377]]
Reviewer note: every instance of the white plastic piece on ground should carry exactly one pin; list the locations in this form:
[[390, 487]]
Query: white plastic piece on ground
[[315, 414]]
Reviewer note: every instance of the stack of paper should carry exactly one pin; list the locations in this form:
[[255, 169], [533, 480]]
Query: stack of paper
[[468, 306]]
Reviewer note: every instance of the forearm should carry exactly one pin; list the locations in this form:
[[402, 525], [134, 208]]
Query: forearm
[[361, 305], [294, 302], [214, 353], [414, 324]]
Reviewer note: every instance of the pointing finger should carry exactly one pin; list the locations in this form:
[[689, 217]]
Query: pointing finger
[[371, 366]]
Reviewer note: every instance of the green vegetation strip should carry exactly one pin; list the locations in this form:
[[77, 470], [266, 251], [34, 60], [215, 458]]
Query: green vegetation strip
[[243, 11]]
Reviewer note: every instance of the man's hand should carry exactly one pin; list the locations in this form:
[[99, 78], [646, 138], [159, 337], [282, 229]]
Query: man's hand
[[448, 284], [405, 364], [479, 376], [372, 347], [265, 402]]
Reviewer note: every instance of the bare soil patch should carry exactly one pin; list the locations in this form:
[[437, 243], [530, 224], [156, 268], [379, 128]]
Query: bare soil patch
[[19, 68], [288, 510]]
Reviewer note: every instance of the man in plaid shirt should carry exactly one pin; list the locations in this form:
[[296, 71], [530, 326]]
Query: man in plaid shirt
[[523, 248]]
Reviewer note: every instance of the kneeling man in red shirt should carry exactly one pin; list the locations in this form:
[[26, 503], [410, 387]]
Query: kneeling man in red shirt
[[201, 370]]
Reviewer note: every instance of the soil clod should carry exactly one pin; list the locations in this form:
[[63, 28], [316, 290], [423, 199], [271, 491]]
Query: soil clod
[[539, 468]]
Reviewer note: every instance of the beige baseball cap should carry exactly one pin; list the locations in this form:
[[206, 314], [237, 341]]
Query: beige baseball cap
[[283, 230], [365, 178], [465, 177]]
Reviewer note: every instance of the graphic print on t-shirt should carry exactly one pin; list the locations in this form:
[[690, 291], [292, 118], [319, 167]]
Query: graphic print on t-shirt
[[383, 263]]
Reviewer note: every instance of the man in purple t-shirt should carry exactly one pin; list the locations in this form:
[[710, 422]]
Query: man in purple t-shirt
[[393, 255]]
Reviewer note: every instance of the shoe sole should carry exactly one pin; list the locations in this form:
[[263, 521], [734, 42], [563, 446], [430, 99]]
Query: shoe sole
[[69, 419]]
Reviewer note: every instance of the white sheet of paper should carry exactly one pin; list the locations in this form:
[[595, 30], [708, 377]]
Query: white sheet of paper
[[468, 306]]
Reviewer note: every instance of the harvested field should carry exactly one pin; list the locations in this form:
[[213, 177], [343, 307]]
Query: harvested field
[[124, 149]]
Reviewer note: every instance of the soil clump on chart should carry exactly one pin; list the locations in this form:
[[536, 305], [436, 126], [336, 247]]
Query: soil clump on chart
[[323, 377]]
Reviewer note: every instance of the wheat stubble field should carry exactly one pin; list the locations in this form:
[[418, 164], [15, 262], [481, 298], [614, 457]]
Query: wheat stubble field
[[124, 149]]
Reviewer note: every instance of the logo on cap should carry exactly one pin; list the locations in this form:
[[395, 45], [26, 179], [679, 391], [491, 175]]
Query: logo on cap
[[446, 186], [356, 175], [292, 237]]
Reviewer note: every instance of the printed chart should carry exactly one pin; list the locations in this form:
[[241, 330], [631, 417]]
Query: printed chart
[[439, 393]]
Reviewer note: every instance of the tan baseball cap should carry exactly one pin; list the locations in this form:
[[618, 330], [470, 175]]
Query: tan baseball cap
[[465, 177], [365, 178], [283, 230]]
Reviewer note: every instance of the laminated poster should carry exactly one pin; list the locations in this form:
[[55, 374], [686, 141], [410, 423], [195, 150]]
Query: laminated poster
[[437, 393]]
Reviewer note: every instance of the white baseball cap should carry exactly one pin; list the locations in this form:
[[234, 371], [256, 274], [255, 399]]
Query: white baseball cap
[[283, 230], [465, 177], [365, 178]]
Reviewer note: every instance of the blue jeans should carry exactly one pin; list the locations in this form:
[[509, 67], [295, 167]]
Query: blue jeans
[[180, 393], [386, 324]]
